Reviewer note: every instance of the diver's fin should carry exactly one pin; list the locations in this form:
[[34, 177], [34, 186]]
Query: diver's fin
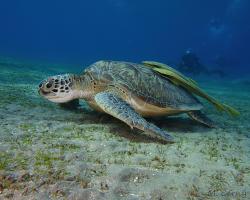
[[202, 118], [189, 84]]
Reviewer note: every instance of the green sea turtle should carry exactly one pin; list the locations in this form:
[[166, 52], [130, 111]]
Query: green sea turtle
[[130, 91]]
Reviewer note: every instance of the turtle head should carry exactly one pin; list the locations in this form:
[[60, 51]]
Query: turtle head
[[59, 88]]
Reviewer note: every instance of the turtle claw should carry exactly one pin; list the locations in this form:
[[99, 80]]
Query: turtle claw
[[159, 133]]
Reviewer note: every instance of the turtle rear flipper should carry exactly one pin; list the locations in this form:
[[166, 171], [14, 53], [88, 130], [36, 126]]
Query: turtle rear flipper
[[114, 105], [202, 118]]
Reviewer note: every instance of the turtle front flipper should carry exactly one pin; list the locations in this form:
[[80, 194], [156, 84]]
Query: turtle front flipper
[[202, 118], [114, 105]]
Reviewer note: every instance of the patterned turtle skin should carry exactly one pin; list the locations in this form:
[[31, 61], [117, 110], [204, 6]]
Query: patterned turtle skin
[[127, 91]]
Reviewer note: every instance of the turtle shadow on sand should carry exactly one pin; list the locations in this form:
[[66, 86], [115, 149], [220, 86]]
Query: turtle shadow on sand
[[179, 125]]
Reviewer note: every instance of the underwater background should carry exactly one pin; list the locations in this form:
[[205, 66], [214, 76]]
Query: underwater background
[[85, 31], [49, 152]]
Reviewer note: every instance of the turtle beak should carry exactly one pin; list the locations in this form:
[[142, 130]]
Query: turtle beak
[[40, 88], [42, 92]]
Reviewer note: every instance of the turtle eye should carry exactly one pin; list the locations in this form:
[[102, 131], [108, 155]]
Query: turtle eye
[[40, 85], [48, 85]]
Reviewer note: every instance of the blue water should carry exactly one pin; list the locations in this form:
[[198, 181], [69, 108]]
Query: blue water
[[83, 31]]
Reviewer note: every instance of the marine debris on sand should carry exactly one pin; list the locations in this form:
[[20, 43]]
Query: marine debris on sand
[[48, 152]]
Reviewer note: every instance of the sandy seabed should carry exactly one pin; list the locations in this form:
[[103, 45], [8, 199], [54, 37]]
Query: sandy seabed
[[47, 152]]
